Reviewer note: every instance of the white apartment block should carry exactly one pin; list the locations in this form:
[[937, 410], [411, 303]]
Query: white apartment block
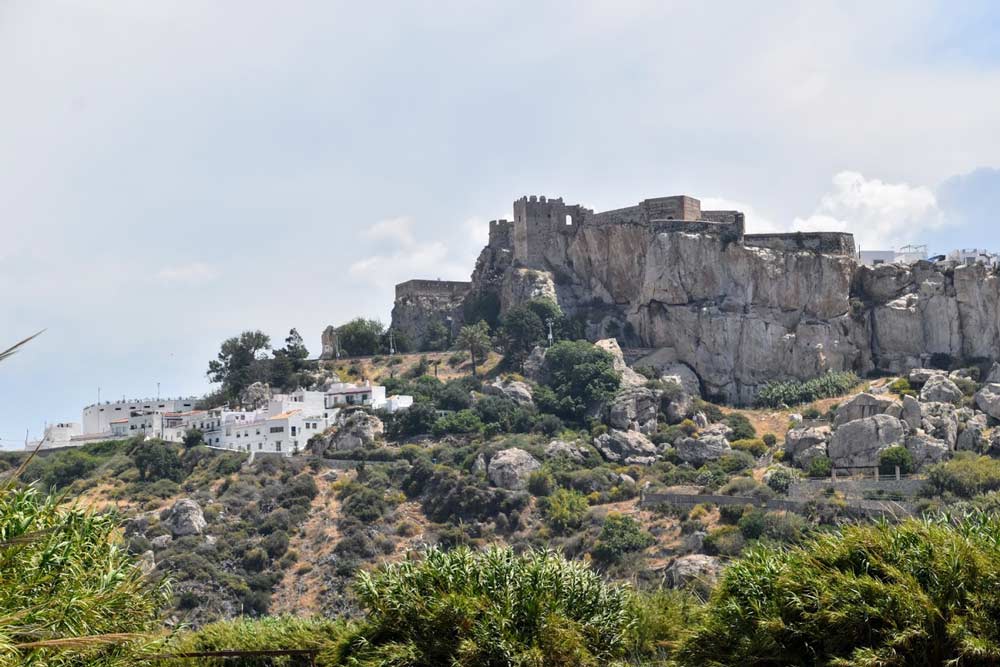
[[97, 418], [907, 254], [974, 256]]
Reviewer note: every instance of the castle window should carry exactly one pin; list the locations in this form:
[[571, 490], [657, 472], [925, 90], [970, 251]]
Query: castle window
[[569, 219]]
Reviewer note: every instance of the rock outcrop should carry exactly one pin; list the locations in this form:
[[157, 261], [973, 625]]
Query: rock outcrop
[[940, 389], [706, 447], [859, 443], [862, 406], [694, 571], [634, 408], [804, 445], [519, 392], [186, 518], [988, 399], [357, 429], [626, 447], [510, 468]]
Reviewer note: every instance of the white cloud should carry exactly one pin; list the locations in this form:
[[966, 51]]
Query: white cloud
[[879, 214], [756, 223], [398, 230], [195, 273]]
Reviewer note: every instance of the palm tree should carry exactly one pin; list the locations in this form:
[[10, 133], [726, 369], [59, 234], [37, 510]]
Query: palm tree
[[476, 339]]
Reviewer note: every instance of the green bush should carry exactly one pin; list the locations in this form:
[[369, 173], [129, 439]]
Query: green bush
[[793, 392], [495, 607], [463, 421], [741, 426], [780, 479], [966, 475], [770, 439], [580, 374], [752, 524], [724, 541], [755, 447], [894, 456], [821, 466], [620, 535], [541, 483], [564, 509], [920, 593]]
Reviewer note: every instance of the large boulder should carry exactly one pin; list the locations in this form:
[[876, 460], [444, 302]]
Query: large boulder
[[510, 468], [925, 449], [911, 413], [625, 446], [939, 389], [988, 399], [629, 378], [973, 435], [940, 420], [859, 443], [803, 445], [994, 375], [696, 571], [862, 406], [534, 366], [514, 390], [706, 447], [919, 376], [186, 518], [357, 429], [634, 408]]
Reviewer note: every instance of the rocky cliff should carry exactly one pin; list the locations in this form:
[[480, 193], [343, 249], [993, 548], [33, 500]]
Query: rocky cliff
[[741, 316]]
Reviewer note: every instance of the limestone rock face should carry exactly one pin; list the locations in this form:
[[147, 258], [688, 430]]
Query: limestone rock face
[[911, 413], [740, 316], [629, 378], [925, 449], [940, 389], [519, 392], [988, 399], [919, 376], [617, 445], [186, 518], [634, 408], [433, 302], [973, 436], [510, 468], [357, 429], [859, 443], [862, 406], [697, 451], [940, 420], [696, 570], [804, 445], [534, 365]]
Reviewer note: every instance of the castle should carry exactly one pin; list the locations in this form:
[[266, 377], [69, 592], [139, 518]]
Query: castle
[[543, 228]]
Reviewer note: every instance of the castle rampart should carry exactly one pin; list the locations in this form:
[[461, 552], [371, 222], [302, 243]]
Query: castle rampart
[[440, 288], [827, 243]]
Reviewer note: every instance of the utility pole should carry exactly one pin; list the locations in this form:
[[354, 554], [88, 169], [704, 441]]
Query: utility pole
[[157, 391], [392, 343], [550, 321]]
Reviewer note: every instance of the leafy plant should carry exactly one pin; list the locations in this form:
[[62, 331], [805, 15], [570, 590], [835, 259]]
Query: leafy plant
[[794, 392]]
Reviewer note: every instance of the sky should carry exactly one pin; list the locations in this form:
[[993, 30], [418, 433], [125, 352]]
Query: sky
[[172, 173]]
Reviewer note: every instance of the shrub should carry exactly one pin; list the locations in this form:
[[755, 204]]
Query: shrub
[[811, 413], [902, 387], [549, 425], [894, 456], [793, 392], [541, 483], [780, 479], [770, 439], [966, 475], [620, 535], [752, 524], [447, 609], [463, 421], [742, 428], [564, 509], [579, 374], [725, 541], [755, 447], [730, 514], [919, 593], [821, 466]]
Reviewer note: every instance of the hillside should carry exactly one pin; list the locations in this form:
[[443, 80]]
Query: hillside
[[632, 483]]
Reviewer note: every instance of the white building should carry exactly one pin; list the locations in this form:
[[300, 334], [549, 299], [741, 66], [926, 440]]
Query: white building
[[97, 418], [348, 394], [974, 256], [907, 254]]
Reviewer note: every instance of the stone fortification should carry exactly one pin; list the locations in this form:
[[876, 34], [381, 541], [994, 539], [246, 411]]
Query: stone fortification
[[739, 309], [419, 303]]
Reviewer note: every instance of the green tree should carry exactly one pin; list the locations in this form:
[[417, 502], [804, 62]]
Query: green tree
[[521, 329], [894, 456], [157, 460], [360, 337], [192, 438], [476, 339], [495, 607], [241, 362], [580, 374], [436, 337]]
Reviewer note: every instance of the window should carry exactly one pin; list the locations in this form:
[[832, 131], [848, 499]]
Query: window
[[569, 220], [260, 446], [877, 262], [293, 430], [277, 446], [277, 429]]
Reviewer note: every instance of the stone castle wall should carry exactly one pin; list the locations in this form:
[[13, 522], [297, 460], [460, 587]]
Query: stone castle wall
[[433, 288], [828, 243]]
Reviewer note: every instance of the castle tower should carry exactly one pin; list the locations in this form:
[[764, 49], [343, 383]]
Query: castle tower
[[537, 221]]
